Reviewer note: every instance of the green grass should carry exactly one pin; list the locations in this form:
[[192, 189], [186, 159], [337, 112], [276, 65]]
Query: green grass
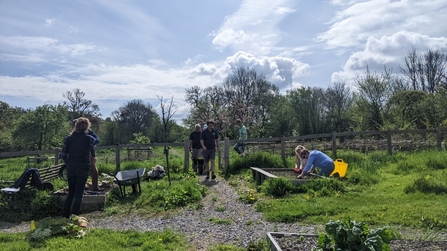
[[102, 239], [375, 193]]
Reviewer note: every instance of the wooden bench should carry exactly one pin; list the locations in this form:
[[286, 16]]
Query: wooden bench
[[47, 174]]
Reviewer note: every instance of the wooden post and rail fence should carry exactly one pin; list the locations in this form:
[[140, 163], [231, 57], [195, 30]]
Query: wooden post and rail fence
[[286, 145]]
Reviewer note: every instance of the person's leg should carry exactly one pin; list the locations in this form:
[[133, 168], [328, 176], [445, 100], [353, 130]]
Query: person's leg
[[69, 200], [79, 192], [212, 158], [242, 147], [94, 174], [327, 169], [236, 148], [206, 160]]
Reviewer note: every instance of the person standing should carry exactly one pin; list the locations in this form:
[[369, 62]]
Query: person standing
[[93, 169], [316, 159], [76, 151], [194, 144], [209, 140], [240, 146]]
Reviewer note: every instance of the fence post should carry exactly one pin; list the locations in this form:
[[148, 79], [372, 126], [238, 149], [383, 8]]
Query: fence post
[[388, 141], [334, 144], [439, 138], [226, 153], [57, 151], [186, 151], [117, 158], [283, 148]]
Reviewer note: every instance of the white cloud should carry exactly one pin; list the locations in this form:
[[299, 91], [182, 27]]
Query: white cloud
[[386, 51], [355, 24], [280, 70], [49, 22], [253, 27]]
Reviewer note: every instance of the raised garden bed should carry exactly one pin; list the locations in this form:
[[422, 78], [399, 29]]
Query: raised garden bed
[[262, 174], [304, 242], [91, 201]]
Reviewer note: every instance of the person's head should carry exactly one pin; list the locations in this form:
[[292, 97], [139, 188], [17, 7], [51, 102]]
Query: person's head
[[198, 128], [304, 154], [238, 122], [298, 149], [81, 125], [210, 124]]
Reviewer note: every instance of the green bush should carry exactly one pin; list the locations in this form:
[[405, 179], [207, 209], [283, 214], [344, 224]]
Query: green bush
[[29, 205], [277, 187]]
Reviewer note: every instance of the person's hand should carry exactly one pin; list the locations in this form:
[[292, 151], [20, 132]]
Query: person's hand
[[204, 148], [300, 176]]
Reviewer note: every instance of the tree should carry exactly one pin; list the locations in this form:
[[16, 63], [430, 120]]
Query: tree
[[337, 101], [425, 71], [308, 108], [133, 117], [7, 117], [374, 93], [166, 114], [77, 106], [42, 128], [244, 95]]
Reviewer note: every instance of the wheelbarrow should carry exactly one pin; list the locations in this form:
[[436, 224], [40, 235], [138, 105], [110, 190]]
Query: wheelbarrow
[[129, 178]]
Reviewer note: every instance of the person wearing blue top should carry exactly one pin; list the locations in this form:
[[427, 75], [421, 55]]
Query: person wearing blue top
[[76, 151], [209, 140], [316, 159]]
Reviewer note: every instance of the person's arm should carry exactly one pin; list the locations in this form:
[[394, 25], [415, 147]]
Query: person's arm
[[297, 161], [64, 151], [92, 146], [91, 133]]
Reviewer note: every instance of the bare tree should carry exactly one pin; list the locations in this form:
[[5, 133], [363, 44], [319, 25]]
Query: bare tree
[[425, 71], [77, 106], [167, 111]]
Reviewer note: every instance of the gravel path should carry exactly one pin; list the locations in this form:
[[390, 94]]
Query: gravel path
[[245, 224]]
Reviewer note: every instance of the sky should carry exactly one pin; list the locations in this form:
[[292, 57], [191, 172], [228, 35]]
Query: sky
[[116, 51]]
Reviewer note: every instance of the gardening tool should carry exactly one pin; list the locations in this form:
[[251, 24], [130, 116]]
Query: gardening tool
[[316, 175]]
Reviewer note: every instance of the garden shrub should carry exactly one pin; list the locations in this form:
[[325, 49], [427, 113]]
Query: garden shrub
[[277, 187]]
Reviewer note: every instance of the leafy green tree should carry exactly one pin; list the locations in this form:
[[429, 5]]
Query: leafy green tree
[[42, 128], [133, 117], [338, 101], [374, 92], [307, 104], [283, 120], [8, 115]]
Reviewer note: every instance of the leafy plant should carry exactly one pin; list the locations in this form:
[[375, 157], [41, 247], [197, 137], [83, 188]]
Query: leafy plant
[[278, 187], [248, 198], [353, 236], [74, 227]]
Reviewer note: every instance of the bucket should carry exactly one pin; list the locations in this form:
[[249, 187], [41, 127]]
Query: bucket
[[340, 168]]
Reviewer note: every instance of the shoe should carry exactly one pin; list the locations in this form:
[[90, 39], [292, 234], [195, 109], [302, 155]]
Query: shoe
[[207, 177], [213, 177]]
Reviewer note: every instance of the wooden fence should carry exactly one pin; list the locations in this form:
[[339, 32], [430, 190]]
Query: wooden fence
[[370, 140]]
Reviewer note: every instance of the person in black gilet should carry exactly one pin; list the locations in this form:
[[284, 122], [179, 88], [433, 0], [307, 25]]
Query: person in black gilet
[[76, 151], [209, 139]]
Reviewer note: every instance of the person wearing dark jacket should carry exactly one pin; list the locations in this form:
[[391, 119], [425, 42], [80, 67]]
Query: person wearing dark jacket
[[76, 151]]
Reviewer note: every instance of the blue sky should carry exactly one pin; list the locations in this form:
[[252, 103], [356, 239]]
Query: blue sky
[[116, 51]]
